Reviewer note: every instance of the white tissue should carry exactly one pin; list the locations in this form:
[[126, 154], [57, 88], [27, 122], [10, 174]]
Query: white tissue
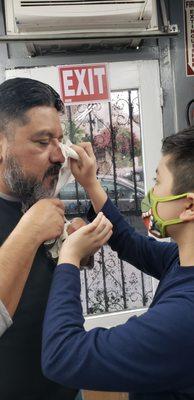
[[64, 177], [55, 249], [65, 174]]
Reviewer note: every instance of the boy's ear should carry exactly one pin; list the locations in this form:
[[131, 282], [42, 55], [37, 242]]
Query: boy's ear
[[188, 212]]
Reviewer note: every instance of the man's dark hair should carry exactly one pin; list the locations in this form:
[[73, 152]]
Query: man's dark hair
[[180, 147], [19, 95]]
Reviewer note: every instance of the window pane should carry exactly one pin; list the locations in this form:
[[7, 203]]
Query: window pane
[[115, 133]]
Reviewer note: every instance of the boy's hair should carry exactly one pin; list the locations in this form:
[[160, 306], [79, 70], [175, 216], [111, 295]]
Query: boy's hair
[[180, 147], [19, 95]]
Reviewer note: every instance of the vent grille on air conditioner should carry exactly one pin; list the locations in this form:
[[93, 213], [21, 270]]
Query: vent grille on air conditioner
[[30, 3], [64, 15]]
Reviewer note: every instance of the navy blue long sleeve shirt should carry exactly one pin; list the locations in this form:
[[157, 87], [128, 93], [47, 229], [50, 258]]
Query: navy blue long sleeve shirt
[[151, 355]]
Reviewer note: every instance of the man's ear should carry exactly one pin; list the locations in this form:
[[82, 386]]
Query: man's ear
[[188, 212]]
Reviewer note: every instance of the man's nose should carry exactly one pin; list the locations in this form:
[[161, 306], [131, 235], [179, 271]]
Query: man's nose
[[57, 155]]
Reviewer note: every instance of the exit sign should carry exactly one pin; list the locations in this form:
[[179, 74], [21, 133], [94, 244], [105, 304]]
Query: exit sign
[[84, 83]]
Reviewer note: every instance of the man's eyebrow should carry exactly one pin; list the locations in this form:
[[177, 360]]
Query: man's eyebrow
[[157, 171]]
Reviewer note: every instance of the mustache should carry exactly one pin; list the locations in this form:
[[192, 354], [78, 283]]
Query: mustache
[[54, 170]]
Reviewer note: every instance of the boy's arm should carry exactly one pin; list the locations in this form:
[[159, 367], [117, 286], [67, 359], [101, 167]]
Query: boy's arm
[[145, 253], [142, 355], [84, 171], [97, 195]]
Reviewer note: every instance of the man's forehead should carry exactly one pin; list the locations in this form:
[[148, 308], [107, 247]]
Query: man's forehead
[[41, 111], [38, 121]]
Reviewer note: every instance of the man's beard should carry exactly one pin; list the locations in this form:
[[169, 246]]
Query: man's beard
[[28, 189]]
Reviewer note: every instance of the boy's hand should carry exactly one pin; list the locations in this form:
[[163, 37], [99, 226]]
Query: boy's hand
[[84, 170], [44, 220], [77, 223], [85, 241]]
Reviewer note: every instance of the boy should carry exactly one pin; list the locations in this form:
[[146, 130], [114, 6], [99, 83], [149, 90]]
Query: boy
[[151, 356]]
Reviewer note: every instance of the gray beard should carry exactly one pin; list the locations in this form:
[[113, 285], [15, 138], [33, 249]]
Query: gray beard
[[27, 189]]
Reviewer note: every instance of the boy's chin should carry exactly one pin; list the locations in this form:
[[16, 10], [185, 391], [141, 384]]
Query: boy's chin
[[173, 231]]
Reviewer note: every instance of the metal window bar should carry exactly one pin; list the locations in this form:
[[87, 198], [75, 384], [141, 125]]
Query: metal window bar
[[113, 153], [135, 182], [132, 148], [90, 120], [71, 136]]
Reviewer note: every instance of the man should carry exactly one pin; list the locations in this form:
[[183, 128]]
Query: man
[[30, 160], [150, 356]]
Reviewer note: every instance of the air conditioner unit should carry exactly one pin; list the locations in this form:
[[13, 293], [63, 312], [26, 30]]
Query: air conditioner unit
[[97, 17]]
